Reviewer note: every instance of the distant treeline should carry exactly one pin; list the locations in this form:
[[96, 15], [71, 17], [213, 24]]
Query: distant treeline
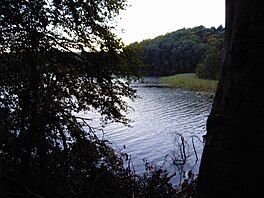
[[183, 51]]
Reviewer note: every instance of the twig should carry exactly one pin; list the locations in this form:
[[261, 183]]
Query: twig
[[195, 151], [182, 148]]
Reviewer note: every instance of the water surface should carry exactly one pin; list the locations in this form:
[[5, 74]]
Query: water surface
[[161, 116]]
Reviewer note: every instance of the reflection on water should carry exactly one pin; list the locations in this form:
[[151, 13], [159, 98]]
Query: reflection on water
[[160, 115]]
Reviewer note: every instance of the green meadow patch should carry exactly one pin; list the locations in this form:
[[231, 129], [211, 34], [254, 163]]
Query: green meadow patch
[[190, 81]]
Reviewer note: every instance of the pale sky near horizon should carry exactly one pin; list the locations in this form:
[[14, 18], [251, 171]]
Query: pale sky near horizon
[[150, 18]]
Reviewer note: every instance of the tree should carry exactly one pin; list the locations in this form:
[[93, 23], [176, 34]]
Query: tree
[[211, 65], [179, 51], [59, 57], [231, 165]]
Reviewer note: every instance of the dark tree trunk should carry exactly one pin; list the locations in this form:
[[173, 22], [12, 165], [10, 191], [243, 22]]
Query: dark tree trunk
[[232, 162]]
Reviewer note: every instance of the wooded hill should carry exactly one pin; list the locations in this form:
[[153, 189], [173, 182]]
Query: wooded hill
[[181, 51]]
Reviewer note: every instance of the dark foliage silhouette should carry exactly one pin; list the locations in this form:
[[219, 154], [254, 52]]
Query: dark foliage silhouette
[[45, 150]]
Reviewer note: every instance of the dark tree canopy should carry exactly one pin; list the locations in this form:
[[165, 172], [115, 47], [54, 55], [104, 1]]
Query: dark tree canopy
[[58, 58], [38, 37], [43, 24]]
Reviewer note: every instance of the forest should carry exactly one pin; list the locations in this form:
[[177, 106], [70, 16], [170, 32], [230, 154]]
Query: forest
[[183, 51]]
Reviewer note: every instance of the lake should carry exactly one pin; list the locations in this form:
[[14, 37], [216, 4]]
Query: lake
[[161, 117]]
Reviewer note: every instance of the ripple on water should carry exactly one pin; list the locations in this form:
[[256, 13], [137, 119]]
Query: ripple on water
[[160, 114]]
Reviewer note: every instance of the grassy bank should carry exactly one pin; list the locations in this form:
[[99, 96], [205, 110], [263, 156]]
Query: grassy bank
[[190, 82]]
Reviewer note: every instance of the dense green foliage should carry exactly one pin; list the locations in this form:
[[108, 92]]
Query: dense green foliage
[[211, 66], [180, 51]]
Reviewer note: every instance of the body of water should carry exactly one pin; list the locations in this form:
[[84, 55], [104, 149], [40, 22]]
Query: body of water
[[161, 117]]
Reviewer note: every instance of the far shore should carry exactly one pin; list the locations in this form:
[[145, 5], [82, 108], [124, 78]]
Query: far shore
[[190, 81]]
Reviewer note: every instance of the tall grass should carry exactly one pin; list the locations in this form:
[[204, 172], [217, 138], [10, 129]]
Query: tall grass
[[190, 82]]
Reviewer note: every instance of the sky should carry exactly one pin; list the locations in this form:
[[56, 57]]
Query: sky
[[145, 19]]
